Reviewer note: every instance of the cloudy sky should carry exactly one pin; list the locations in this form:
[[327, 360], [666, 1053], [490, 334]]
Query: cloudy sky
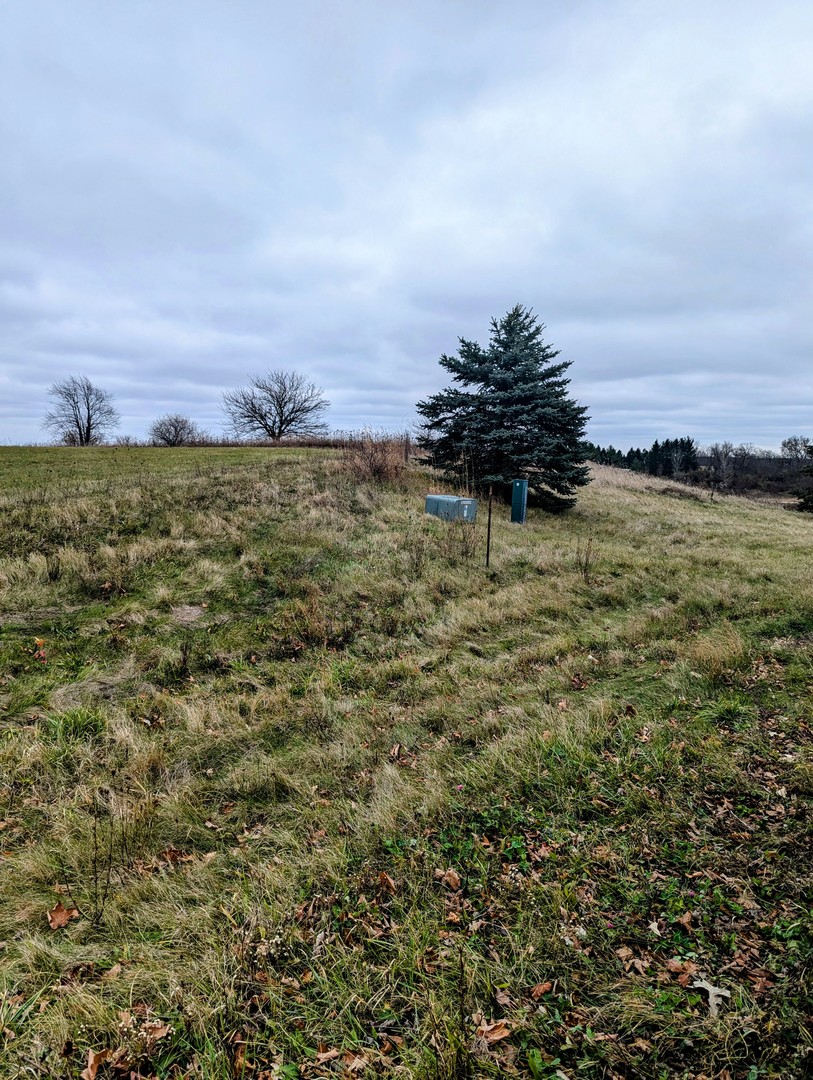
[[194, 192]]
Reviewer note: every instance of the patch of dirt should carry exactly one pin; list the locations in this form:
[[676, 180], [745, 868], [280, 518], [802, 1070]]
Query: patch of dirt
[[36, 616], [682, 493], [101, 687], [186, 614]]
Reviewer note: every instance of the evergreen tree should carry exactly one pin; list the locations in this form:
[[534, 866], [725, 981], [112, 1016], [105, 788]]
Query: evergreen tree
[[672, 457], [688, 450], [517, 421], [593, 452], [655, 459]]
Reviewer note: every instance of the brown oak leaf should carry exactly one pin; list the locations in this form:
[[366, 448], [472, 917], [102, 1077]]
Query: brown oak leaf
[[60, 916]]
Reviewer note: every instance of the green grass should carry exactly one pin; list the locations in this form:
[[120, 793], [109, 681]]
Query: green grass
[[327, 796]]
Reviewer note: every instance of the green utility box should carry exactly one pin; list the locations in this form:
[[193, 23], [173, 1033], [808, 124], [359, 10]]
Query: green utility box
[[451, 508], [519, 501]]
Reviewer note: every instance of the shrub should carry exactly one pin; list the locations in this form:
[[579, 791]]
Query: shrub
[[376, 456]]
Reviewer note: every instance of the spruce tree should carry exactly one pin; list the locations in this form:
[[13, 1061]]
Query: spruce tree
[[514, 420]]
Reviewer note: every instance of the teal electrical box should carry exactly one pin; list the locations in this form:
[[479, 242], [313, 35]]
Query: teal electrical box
[[519, 501], [451, 508]]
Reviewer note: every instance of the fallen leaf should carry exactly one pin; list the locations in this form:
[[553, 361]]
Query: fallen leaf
[[94, 1061], [502, 997], [326, 1055], [156, 1029], [113, 972], [493, 1033], [716, 994], [173, 856], [689, 969], [452, 879], [540, 989], [60, 916], [354, 1062], [386, 883]]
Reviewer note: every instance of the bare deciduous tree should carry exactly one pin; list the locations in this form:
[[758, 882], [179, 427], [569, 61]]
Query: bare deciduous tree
[[174, 429], [794, 450], [722, 463], [274, 405], [81, 414]]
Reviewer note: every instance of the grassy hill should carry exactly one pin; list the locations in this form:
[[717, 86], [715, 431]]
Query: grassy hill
[[293, 786]]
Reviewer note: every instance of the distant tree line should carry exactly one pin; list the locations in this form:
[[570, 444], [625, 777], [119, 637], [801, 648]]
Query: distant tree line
[[672, 457], [721, 465]]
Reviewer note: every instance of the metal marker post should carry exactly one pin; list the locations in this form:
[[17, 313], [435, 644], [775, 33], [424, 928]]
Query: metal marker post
[[488, 530]]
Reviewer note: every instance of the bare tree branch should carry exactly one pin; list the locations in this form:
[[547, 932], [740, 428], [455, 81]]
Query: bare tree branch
[[81, 414], [274, 405]]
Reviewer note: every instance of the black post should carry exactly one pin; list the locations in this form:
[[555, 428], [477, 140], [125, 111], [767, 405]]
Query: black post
[[488, 531]]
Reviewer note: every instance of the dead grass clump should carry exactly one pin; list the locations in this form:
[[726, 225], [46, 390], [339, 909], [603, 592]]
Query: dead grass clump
[[259, 781], [717, 651], [33, 569]]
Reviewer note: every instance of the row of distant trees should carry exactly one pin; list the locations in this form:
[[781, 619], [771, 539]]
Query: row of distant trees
[[721, 464], [272, 406], [672, 457]]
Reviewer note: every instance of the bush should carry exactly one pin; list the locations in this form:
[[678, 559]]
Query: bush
[[376, 456]]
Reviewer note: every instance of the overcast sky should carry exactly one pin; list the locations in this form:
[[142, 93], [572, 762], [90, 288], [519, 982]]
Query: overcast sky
[[194, 192]]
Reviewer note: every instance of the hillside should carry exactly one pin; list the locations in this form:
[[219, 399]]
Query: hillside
[[293, 786]]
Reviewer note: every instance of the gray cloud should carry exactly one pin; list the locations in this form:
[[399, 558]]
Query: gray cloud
[[192, 193]]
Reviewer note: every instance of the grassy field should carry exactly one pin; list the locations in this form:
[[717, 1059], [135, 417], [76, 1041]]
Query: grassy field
[[292, 786]]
